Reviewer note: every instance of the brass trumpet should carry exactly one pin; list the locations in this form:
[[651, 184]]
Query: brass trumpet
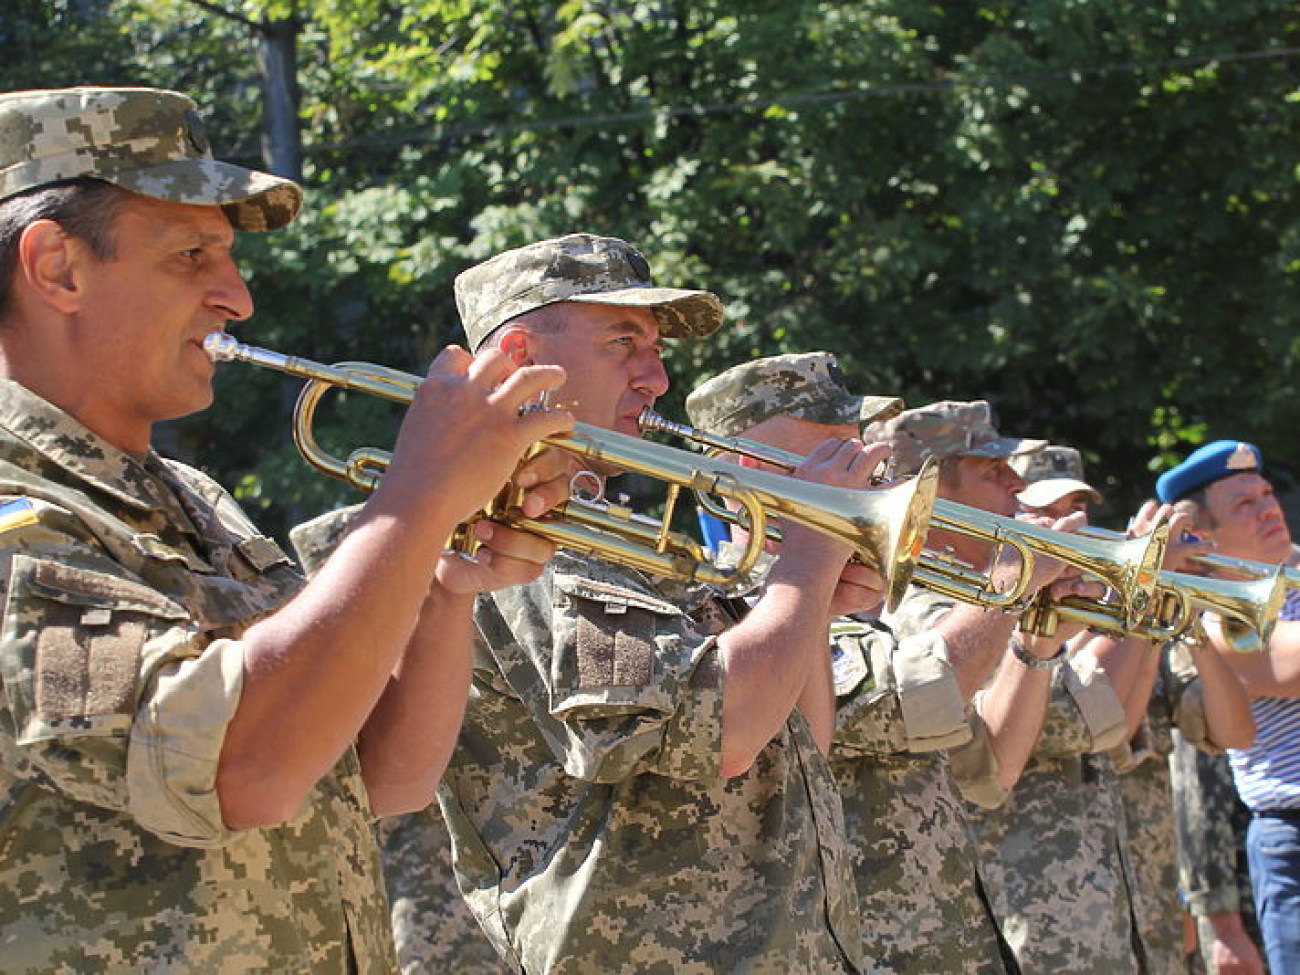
[[885, 527], [1249, 608], [1128, 566]]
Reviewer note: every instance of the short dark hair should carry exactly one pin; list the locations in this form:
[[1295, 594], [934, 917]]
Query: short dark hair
[[950, 471], [86, 208], [546, 320]]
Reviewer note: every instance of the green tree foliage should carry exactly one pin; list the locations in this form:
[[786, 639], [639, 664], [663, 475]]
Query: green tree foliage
[[1085, 212]]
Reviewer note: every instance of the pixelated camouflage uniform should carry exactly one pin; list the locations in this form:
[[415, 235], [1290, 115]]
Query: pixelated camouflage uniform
[[591, 829], [1146, 795], [1211, 821], [1051, 854], [129, 580], [432, 925], [899, 708]]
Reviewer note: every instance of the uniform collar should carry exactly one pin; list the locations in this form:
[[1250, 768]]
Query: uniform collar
[[85, 455]]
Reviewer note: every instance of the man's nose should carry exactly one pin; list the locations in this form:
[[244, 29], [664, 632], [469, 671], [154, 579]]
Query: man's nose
[[651, 377], [229, 294]]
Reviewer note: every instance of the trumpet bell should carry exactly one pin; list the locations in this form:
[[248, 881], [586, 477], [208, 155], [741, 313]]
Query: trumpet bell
[[1250, 607]]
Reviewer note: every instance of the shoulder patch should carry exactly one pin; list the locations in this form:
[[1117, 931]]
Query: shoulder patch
[[848, 665], [17, 513]]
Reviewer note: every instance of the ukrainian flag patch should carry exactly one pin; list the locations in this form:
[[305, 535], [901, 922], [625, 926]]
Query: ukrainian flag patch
[[17, 513]]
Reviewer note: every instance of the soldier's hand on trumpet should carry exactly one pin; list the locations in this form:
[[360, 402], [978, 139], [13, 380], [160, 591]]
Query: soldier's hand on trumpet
[[1183, 546], [1056, 580], [861, 589], [466, 431], [839, 463], [507, 556], [1045, 571]]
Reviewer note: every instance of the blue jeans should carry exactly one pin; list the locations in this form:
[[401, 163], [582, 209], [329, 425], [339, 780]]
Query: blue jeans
[[1273, 849]]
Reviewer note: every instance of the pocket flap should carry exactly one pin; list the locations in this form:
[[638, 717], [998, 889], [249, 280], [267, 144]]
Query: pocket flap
[[83, 587]]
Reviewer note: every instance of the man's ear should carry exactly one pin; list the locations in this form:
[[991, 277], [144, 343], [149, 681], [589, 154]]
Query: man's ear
[[517, 344], [48, 261]]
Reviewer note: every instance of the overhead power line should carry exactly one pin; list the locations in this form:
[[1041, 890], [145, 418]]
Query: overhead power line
[[815, 97]]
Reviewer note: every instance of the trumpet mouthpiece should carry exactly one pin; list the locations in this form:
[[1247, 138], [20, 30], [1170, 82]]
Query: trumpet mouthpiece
[[221, 347]]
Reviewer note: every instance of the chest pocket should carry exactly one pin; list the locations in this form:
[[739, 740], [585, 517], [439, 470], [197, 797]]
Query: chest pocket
[[76, 642], [610, 638]]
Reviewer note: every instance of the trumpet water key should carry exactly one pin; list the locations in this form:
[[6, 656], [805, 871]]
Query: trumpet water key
[[885, 527]]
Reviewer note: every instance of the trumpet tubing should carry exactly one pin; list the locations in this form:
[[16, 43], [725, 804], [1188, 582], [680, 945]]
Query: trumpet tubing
[[1215, 562], [1249, 606]]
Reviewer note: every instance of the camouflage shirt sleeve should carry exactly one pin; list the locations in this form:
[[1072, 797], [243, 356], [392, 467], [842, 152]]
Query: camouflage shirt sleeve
[[1128, 755], [314, 540], [115, 696], [1188, 698], [919, 610], [1084, 715], [617, 678], [975, 766], [894, 696], [1207, 813]]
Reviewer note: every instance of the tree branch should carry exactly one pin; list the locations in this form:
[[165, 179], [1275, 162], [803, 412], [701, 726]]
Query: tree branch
[[227, 14]]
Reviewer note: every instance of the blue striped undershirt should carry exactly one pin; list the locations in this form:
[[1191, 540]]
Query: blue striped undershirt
[[1268, 772]]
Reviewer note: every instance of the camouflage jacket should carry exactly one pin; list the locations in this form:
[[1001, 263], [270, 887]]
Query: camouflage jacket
[[1052, 855], [432, 925], [974, 766], [591, 830], [899, 707], [1212, 822], [128, 581], [1146, 796]]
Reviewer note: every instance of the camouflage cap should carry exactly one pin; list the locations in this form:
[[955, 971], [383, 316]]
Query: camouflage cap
[[1050, 474], [807, 385], [946, 429], [577, 267], [145, 140]]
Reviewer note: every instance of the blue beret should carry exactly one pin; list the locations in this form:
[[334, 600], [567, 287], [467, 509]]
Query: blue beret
[[1208, 464]]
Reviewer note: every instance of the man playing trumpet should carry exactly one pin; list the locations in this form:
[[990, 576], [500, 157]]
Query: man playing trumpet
[[640, 781], [902, 707], [1072, 825], [192, 739]]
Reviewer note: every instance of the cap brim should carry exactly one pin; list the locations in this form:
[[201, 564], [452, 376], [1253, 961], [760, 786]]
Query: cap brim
[[252, 200], [1052, 489], [681, 314], [1004, 447], [878, 409]]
